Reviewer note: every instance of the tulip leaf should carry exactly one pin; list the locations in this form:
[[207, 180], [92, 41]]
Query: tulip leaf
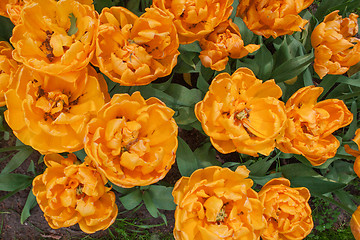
[[264, 59], [185, 159], [316, 185], [14, 182], [298, 170], [206, 156], [346, 199], [132, 199], [30, 204], [260, 167], [6, 27], [192, 47], [341, 172], [17, 160], [292, 67], [150, 206], [162, 197], [73, 29], [264, 179]]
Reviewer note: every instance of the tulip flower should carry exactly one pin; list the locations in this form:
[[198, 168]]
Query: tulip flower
[[217, 203], [336, 48]]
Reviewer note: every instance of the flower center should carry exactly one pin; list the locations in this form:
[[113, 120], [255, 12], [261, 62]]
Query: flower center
[[242, 114], [53, 103], [221, 215]]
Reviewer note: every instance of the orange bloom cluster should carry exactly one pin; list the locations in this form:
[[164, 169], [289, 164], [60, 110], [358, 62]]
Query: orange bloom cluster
[[217, 203], [50, 113], [225, 41], [355, 153], [43, 40], [273, 17], [195, 19], [241, 113], [70, 193], [286, 210], [336, 48], [135, 50], [132, 141], [7, 67], [311, 124]]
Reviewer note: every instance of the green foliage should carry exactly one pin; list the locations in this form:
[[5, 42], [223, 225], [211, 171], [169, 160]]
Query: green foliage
[[73, 29]]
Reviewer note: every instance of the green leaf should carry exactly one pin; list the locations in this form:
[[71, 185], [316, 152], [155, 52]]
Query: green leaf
[[6, 27], [260, 167], [185, 159], [132, 199], [264, 179], [346, 199], [341, 172], [100, 4], [316, 185], [206, 155], [307, 163], [13, 181], [184, 96], [13, 148], [264, 59], [81, 154], [292, 68], [30, 204], [150, 206], [192, 47], [73, 29], [298, 170], [17, 160], [31, 167], [162, 197]]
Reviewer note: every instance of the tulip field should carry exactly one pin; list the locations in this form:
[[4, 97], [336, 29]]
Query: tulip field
[[180, 119]]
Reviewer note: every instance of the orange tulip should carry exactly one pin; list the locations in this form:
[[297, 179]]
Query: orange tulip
[[55, 37], [136, 51], [7, 67], [311, 124], [69, 193], [355, 224], [217, 203], [273, 17], [224, 41], [241, 113], [132, 141], [355, 153], [336, 48], [194, 19], [286, 211], [50, 113]]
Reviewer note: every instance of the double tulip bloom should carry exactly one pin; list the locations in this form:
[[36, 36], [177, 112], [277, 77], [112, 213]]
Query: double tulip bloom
[[50, 113], [286, 211], [217, 203], [241, 113], [55, 37], [336, 48], [195, 19], [273, 17], [71, 193], [132, 141], [311, 124], [135, 50], [225, 41], [8, 66]]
